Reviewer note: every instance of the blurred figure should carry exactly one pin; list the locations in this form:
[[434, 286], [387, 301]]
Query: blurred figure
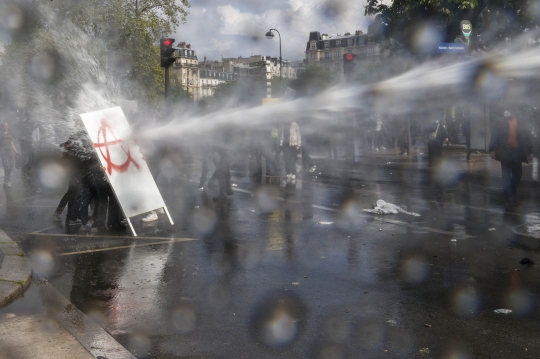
[[7, 149], [26, 142], [291, 142], [437, 135], [379, 134], [511, 145], [403, 137], [222, 158]]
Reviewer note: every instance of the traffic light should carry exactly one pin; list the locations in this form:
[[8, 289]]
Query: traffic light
[[348, 64], [167, 51]]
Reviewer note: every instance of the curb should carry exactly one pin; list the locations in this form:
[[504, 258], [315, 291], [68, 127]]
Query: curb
[[15, 270]]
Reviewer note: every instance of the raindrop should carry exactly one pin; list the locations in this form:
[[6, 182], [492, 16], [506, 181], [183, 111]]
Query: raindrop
[[44, 66], [425, 38], [204, 220], [184, 318], [266, 198], [466, 302], [139, 344], [52, 175], [279, 320], [12, 17], [521, 302], [415, 270], [42, 262]]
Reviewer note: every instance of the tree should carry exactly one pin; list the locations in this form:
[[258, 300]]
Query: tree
[[397, 25], [123, 34], [313, 81]]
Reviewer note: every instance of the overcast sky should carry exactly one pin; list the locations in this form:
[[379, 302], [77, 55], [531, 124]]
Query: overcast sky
[[233, 28]]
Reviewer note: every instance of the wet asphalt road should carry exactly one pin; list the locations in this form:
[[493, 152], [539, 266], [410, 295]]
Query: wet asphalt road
[[302, 273]]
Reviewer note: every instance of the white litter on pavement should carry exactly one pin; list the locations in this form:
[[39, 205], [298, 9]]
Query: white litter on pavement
[[326, 222], [453, 240], [383, 207], [491, 229], [502, 311]]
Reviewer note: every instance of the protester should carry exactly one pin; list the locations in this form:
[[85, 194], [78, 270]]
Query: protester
[[437, 135], [291, 141], [7, 149], [511, 145]]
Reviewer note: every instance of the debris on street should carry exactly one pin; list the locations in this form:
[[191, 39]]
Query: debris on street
[[526, 261], [383, 207]]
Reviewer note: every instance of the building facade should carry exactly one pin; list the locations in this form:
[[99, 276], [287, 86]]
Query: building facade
[[199, 79], [328, 51], [185, 70]]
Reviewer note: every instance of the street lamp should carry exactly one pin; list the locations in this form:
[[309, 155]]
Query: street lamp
[[270, 36]]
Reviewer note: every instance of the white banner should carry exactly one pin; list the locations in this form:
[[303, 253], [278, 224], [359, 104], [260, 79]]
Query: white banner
[[125, 167]]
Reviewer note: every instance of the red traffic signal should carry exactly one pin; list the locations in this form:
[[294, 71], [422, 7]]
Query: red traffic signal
[[167, 51], [348, 64]]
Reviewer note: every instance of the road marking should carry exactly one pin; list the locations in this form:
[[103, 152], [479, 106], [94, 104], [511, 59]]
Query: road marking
[[126, 247], [390, 221], [30, 205], [242, 190], [89, 235], [22, 199]]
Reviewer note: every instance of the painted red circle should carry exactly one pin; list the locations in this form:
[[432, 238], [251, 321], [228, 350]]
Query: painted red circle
[[349, 57]]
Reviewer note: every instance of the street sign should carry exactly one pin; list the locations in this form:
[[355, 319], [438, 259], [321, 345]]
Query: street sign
[[466, 28], [452, 48]]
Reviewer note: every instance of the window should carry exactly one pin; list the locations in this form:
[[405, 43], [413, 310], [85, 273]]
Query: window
[[336, 53], [338, 42], [313, 56], [327, 66], [313, 46], [326, 55], [349, 42], [337, 66], [326, 44]]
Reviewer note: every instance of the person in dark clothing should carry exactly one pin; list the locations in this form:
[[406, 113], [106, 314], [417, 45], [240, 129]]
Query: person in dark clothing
[[437, 135], [511, 145]]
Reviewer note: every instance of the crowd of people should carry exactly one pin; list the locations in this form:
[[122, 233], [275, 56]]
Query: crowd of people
[[276, 147]]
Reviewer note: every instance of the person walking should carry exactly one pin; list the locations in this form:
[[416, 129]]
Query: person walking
[[292, 142], [7, 149], [511, 145]]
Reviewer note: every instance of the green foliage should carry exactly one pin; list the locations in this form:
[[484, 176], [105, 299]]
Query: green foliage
[[493, 19], [313, 81], [127, 32]]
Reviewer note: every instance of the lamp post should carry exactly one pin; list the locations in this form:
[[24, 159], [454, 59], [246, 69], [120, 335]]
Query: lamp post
[[270, 35]]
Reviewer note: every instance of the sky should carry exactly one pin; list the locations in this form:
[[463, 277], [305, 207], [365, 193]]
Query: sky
[[233, 28]]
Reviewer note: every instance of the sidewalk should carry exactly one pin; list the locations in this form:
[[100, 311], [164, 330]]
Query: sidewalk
[[481, 167], [15, 271], [42, 324]]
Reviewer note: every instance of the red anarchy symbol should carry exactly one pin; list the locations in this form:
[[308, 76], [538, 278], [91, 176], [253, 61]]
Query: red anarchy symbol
[[102, 134]]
